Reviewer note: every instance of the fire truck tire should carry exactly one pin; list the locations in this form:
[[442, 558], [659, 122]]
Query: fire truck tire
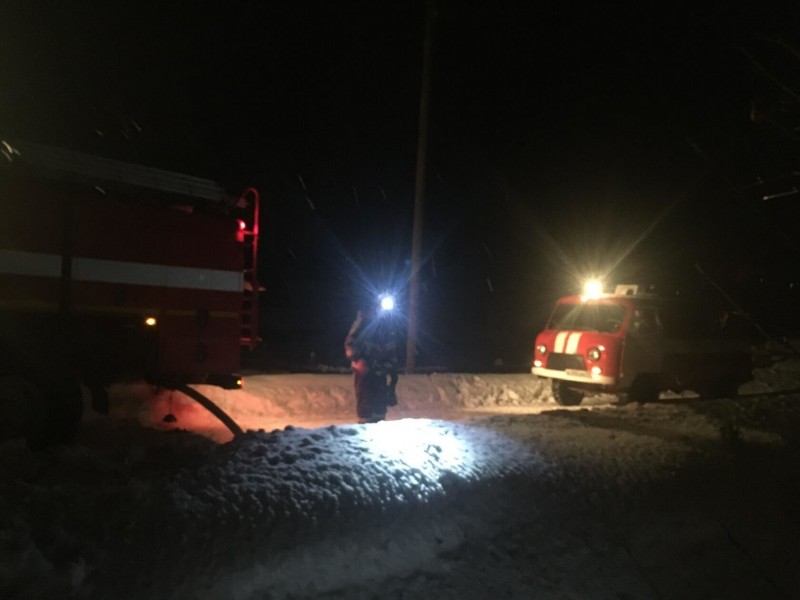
[[99, 400], [60, 417], [22, 404], [44, 413], [565, 395], [644, 389]]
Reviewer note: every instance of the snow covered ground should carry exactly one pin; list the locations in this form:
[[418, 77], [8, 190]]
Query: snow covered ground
[[477, 486]]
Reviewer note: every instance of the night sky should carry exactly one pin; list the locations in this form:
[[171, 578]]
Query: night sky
[[634, 140]]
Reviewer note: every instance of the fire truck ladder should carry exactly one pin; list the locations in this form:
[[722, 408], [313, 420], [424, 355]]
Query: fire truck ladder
[[249, 330]]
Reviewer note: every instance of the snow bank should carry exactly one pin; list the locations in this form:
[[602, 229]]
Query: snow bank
[[314, 400]]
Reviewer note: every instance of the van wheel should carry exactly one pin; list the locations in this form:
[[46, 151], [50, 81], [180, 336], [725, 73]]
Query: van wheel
[[721, 388], [644, 389], [565, 395]]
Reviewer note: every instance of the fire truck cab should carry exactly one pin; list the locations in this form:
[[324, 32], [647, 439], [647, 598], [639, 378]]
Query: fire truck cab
[[638, 344]]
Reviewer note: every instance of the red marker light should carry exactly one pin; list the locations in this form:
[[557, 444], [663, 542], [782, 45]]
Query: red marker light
[[241, 226]]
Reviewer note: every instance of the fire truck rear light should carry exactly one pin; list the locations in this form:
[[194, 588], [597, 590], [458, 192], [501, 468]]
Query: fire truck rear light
[[241, 230], [151, 321]]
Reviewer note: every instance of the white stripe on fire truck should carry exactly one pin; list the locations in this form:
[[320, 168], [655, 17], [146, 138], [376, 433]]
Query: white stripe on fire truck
[[14, 262], [132, 273], [567, 342], [572, 343], [558, 345]]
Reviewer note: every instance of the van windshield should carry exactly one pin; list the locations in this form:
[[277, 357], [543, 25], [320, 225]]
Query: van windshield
[[605, 318]]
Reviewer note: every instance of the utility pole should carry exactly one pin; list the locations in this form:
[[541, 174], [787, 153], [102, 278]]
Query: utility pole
[[419, 192]]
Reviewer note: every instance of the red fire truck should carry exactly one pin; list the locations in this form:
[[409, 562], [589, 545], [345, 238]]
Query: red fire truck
[[111, 270], [638, 344]]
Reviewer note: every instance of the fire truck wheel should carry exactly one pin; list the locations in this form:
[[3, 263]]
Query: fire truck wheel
[[565, 395], [644, 389], [62, 417], [42, 412], [22, 404]]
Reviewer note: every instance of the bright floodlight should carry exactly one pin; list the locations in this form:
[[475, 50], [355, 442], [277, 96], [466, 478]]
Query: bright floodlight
[[593, 288], [387, 302]]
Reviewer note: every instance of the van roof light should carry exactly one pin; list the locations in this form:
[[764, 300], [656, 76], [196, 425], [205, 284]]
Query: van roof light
[[592, 289]]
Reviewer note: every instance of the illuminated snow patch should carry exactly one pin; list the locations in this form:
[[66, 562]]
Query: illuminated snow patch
[[422, 445], [316, 475]]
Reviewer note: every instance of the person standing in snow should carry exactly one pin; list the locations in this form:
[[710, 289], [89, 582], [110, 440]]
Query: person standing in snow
[[371, 347]]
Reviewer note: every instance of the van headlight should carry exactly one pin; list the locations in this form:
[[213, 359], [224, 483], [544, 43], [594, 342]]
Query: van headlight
[[594, 354], [541, 349]]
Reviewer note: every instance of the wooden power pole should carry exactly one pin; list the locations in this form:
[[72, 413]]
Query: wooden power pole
[[419, 192]]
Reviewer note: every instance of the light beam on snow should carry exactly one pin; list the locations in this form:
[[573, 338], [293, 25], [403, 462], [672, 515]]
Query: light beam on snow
[[420, 444]]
